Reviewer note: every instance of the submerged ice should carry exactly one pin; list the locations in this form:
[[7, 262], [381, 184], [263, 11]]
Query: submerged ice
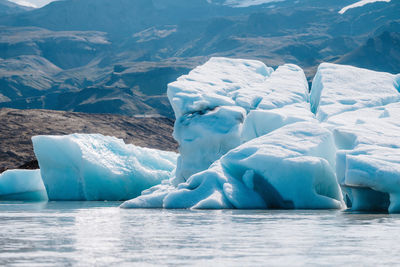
[[96, 167]]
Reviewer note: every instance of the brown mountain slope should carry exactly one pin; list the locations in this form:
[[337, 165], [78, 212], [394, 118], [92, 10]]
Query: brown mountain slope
[[18, 126]]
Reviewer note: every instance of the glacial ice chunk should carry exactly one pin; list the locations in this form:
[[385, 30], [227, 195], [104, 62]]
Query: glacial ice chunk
[[97, 167], [265, 146], [340, 88], [260, 122], [291, 167], [22, 185], [361, 108], [214, 101], [216, 83]]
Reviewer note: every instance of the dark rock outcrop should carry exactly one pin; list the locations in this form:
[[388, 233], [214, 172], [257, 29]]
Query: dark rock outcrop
[[18, 126]]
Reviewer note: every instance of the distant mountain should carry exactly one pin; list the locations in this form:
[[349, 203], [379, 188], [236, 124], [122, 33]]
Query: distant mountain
[[117, 56], [116, 17], [8, 8], [379, 53]]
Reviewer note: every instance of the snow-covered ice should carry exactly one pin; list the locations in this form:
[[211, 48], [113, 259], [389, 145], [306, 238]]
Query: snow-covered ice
[[252, 137], [96, 167], [339, 88], [274, 153], [22, 185], [369, 154], [362, 109], [214, 100], [260, 122], [292, 167]]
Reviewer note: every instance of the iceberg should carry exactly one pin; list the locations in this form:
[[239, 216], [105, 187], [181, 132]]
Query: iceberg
[[214, 101], [22, 185], [97, 167], [247, 140], [291, 167], [339, 88], [252, 137], [361, 108]]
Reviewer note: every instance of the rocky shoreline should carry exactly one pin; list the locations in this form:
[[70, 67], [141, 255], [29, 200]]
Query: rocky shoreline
[[18, 126]]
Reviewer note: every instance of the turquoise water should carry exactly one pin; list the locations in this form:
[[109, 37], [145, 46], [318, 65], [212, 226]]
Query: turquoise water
[[101, 234]]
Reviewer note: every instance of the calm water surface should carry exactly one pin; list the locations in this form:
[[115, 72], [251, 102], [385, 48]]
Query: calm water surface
[[101, 234]]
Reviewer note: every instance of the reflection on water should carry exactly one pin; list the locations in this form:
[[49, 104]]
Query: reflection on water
[[99, 233]]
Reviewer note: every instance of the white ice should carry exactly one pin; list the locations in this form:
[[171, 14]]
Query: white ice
[[362, 109], [96, 167], [266, 149], [292, 167], [249, 137], [237, 110], [22, 185], [215, 100], [339, 88]]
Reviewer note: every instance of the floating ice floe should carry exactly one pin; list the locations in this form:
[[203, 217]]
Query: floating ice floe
[[96, 167], [22, 185], [362, 109]]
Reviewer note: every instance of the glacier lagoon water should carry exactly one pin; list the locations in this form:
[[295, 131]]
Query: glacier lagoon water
[[102, 234]]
